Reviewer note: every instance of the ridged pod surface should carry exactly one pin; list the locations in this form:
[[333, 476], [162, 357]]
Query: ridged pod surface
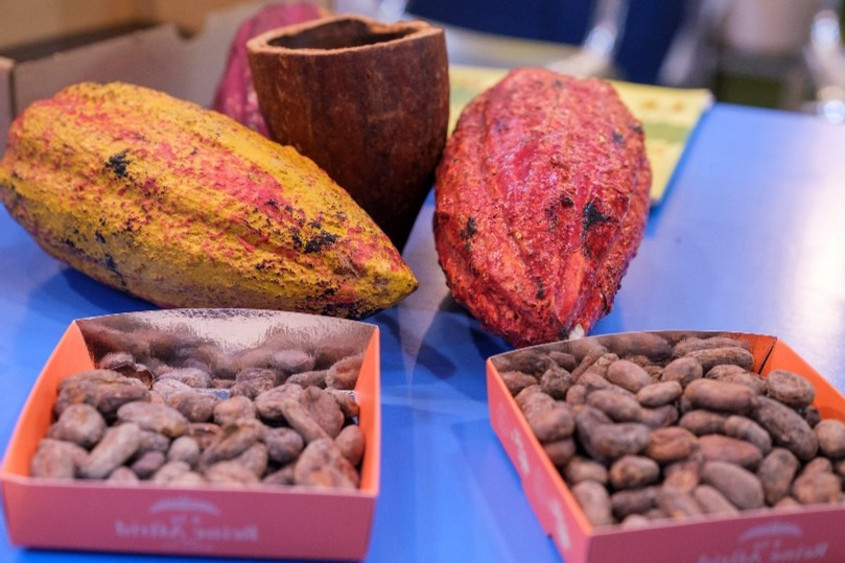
[[541, 200], [185, 207]]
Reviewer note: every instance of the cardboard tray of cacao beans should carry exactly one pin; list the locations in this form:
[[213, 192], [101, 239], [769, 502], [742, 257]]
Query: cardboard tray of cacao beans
[[675, 446], [225, 432]]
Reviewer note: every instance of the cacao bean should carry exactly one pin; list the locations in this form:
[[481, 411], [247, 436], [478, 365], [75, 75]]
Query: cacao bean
[[283, 476], [233, 409], [743, 428], [321, 464], [576, 395], [720, 396], [710, 357], [594, 501], [351, 443], [702, 421], [817, 465], [582, 469], [324, 410], [693, 343], [734, 374], [123, 476], [683, 475], [716, 447], [671, 444], [251, 382], [119, 443], [677, 503], [652, 346], [550, 420], [555, 382], [516, 381], [830, 434], [619, 406], [283, 444], [254, 458], [57, 459], [712, 501], [232, 441], [158, 418], [683, 370], [269, 403], [612, 441], [230, 473], [79, 423], [563, 359], [787, 428], [628, 375], [790, 388], [817, 487], [194, 406], [147, 464], [633, 471], [586, 357], [344, 373], [659, 394], [634, 501], [204, 433], [593, 381], [313, 378], [776, 473], [741, 487], [661, 417], [184, 448], [192, 377], [346, 401]]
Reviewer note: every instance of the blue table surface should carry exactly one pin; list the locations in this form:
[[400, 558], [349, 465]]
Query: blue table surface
[[749, 237]]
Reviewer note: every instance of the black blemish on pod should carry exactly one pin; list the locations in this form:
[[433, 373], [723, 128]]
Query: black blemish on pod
[[469, 231], [318, 242], [118, 163], [592, 216]]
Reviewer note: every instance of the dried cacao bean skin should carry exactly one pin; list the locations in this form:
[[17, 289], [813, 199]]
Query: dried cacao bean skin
[[541, 200]]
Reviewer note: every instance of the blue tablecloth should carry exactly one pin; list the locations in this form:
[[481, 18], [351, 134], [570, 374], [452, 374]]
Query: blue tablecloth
[[750, 237]]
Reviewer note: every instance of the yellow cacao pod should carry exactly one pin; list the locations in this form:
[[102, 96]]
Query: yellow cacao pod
[[184, 207]]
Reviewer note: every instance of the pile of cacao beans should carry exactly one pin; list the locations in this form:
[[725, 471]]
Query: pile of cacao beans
[[196, 415], [645, 427]]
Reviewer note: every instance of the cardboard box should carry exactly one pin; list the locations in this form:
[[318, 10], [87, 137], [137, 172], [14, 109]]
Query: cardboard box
[[259, 521], [158, 57], [808, 534]]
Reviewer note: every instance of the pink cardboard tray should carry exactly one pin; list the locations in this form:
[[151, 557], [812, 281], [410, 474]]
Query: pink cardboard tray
[[808, 534], [259, 521]]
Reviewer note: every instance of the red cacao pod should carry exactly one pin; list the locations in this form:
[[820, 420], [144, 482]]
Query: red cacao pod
[[541, 200]]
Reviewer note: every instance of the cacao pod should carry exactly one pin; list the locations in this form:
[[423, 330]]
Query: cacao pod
[[183, 206], [541, 200]]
